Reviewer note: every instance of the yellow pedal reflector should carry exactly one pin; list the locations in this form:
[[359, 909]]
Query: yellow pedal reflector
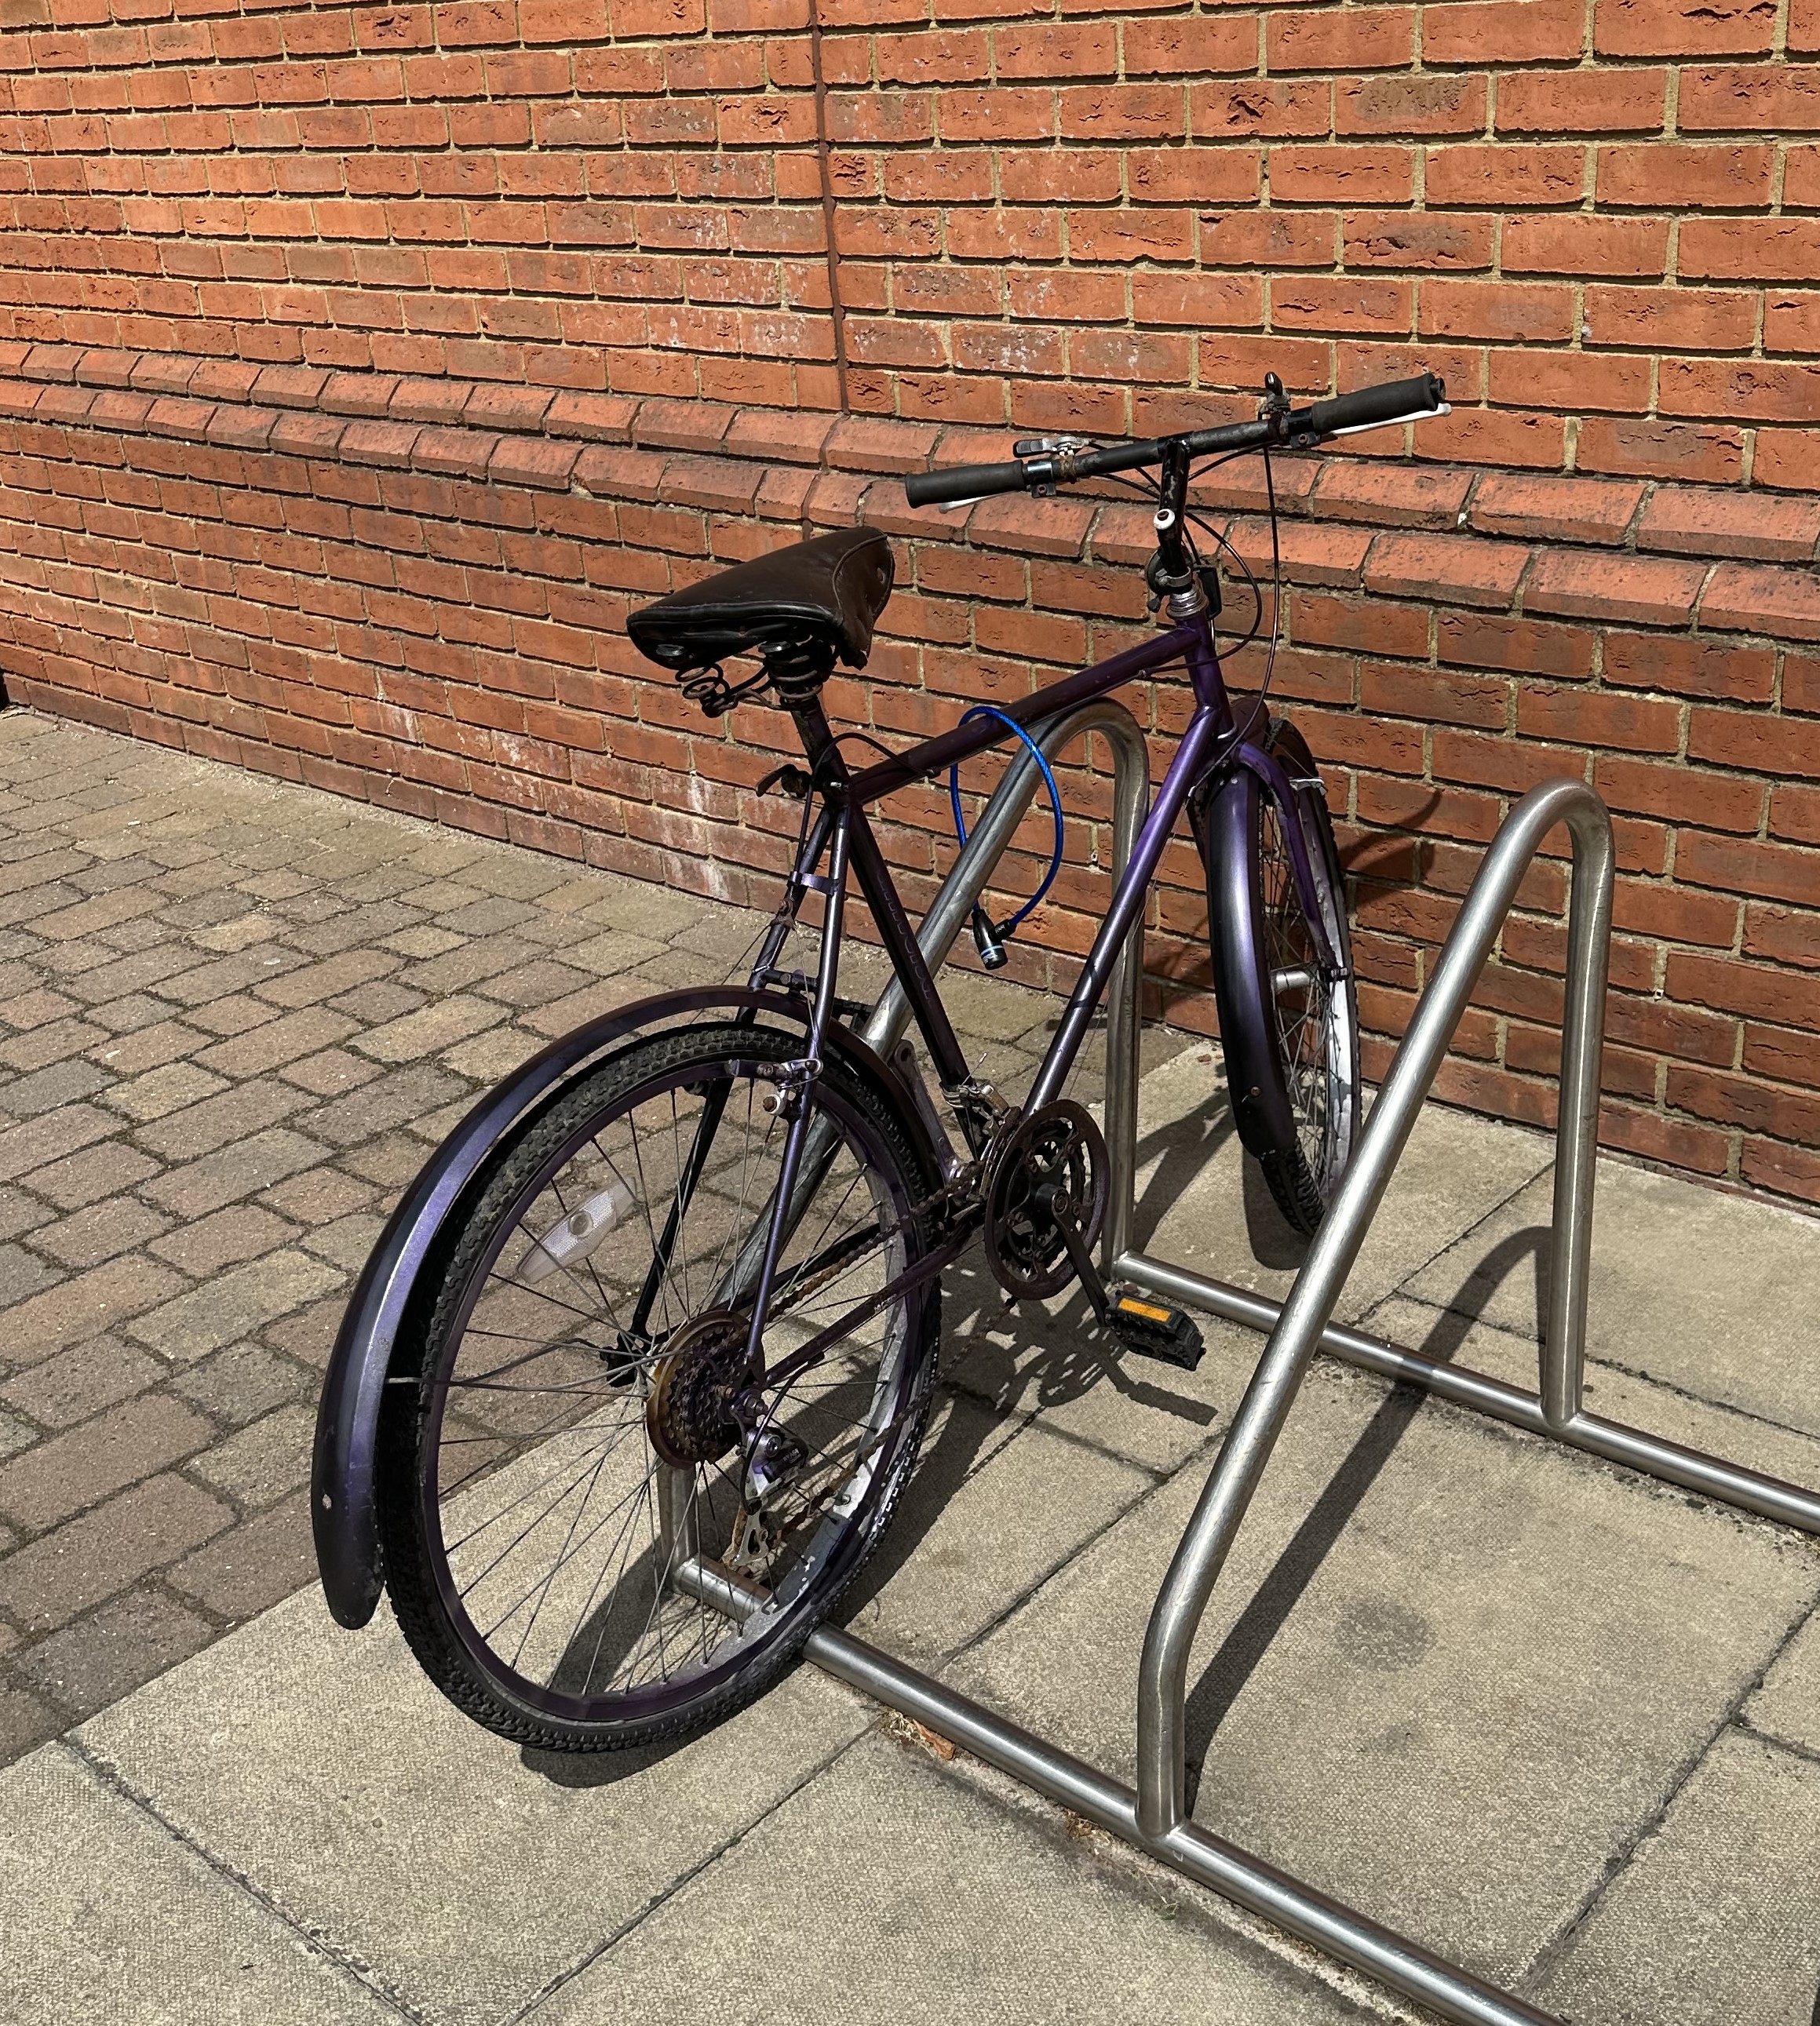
[[1153, 1329]]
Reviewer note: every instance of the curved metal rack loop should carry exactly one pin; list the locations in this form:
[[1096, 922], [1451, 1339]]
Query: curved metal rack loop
[[1153, 1817], [1163, 1669]]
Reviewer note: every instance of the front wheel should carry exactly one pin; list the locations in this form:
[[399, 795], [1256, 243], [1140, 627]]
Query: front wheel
[[601, 1527], [1290, 1033]]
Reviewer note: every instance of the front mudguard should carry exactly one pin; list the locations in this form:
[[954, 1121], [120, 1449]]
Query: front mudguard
[[1221, 815], [343, 1514]]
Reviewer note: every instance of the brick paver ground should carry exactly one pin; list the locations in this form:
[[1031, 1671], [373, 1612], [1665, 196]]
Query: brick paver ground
[[234, 1016]]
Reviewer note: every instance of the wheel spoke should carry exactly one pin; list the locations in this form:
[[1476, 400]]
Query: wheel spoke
[[552, 1554]]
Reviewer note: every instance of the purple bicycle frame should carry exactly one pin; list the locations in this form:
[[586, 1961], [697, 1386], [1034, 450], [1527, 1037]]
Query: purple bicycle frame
[[1208, 731]]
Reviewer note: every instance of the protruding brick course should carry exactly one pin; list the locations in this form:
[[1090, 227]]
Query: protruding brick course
[[431, 614]]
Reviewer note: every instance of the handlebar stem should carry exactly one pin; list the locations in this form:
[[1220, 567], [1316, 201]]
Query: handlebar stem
[[1174, 573]]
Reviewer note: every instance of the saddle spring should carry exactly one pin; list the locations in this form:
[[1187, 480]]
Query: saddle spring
[[795, 668]]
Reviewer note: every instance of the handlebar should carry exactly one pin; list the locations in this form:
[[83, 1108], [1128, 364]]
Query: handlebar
[[1298, 428], [1376, 408], [963, 481]]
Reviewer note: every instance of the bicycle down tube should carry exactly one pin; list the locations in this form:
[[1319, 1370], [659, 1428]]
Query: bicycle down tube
[[1200, 747]]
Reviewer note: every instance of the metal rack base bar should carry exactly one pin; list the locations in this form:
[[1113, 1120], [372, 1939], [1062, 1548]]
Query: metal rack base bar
[[1716, 1477], [1235, 1874], [1153, 1817], [1248, 1881]]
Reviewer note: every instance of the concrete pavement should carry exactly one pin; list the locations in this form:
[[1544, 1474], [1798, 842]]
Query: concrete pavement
[[1551, 1719]]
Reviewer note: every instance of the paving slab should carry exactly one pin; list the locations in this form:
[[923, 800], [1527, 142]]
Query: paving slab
[[891, 1892], [1724, 1309], [1787, 1707], [372, 1814], [1452, 1669], [128, 1923], [970, 1542], [1203, 1205], [1715, 1919]]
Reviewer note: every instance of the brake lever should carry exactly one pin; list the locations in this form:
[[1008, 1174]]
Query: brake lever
[[1050, 446]]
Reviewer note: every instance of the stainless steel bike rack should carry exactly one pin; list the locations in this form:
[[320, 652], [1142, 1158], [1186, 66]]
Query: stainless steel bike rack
[[1153, 1817]]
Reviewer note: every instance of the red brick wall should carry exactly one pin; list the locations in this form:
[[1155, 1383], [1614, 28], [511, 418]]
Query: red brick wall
[[1600, 219], [353, 581], [357, 365]]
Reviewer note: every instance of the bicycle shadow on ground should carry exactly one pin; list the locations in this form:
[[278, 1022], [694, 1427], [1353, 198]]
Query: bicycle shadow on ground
[[1022, 1362], [1245, 1645]]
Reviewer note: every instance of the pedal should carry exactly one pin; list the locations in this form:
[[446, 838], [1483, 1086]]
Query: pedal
[[1153, 1329]]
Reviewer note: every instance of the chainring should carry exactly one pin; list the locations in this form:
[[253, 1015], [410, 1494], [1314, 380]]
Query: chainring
[[1047, 1177]]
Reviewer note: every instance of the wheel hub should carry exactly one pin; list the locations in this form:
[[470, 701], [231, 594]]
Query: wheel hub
[[689, 1415]]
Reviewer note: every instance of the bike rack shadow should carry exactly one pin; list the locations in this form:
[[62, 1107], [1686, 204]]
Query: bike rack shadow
[[1155, 1817], [1245, 1645]]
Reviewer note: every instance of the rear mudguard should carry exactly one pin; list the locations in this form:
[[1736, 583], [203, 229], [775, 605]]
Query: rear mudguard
[[342, 1510]]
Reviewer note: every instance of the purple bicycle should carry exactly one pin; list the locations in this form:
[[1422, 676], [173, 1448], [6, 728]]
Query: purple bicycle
[[634, 1379]]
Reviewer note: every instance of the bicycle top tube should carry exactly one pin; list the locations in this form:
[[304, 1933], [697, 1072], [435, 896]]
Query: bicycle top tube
[[884, 777]]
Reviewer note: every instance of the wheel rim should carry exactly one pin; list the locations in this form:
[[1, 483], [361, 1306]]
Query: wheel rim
[[1310, 1021], [556, 1529]]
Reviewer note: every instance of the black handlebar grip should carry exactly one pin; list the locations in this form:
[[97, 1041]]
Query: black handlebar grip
[[1396, 401], [962, 481]]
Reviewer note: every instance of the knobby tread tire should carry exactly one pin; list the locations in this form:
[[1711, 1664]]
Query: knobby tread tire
[[411, 1581]]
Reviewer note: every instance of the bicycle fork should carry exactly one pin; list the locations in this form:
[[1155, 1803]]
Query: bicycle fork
[[1287, 794]]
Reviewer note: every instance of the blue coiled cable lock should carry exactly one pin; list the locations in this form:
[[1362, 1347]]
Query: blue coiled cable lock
[[990, 938]]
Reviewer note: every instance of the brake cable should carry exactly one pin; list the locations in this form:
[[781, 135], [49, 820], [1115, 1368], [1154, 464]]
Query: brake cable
[[990, 938]]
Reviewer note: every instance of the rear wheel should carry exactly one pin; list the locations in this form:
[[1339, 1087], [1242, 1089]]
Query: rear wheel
[[1289, 1032], [576, 1460]]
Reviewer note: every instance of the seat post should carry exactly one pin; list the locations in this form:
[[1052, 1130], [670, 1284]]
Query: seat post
[[827, 767]]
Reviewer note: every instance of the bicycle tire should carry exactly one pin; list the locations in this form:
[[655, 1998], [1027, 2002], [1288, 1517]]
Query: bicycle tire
[[568, 1711], [1292, 1050]]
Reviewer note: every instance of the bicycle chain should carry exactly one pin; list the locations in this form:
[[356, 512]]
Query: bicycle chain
[[962, 1186]]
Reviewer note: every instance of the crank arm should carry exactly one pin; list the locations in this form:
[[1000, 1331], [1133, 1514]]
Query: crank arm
[[1088, 1272]]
